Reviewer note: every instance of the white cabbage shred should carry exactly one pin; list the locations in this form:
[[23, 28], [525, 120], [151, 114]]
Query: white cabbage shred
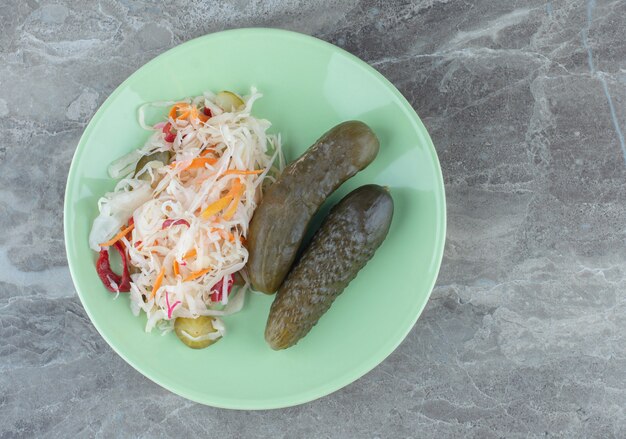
[[210, 248]]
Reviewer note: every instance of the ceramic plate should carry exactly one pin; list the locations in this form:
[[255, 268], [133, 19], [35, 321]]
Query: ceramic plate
[[308, 86]]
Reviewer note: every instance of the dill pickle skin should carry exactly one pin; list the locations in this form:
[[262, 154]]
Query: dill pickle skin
[[280, 221], [347, 239], [160, 156]]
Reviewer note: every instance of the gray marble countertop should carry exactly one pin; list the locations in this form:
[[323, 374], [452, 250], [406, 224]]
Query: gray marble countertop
[[525, 333]]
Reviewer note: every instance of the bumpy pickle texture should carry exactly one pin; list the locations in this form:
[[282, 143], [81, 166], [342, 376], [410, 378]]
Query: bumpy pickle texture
[[347, 239]]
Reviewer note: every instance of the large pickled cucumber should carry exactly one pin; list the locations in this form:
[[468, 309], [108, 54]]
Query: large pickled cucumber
[[280, 221], [347, 239]]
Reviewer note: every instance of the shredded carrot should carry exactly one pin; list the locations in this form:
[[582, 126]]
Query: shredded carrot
[[199, 115], [186, 112], [176, 268], [238, 172], [183, 108], [119, 236], [238, 189], [193, 113], [196, 163], [216, 207], [190, 254], [157, 282], [196, 274], [200, 162], [224, 234], [235, 191]]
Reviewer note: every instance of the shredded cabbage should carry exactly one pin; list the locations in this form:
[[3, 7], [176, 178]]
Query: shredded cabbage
[[223, 159]]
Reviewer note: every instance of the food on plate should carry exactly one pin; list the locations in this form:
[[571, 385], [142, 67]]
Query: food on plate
[[229, 101], [179, 215], [159, 158], [347, 239], [199, 332], [281, 220]]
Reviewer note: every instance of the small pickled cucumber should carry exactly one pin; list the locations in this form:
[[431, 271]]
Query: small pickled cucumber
[[197, 333], [159, 156], [347, 239], [280, 222], [229, 101]]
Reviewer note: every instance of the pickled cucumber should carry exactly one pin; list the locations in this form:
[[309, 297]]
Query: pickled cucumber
[[229, 101], [347, 239], [197, 333], [280, 221], [159, 156]]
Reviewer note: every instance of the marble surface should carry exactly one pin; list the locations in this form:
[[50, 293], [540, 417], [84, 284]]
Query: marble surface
[[525, 333]]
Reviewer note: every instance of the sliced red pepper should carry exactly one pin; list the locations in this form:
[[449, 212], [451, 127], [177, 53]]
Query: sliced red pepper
[[169, 135], [174, 222], [108, 276], [216, 291], [207, 112]]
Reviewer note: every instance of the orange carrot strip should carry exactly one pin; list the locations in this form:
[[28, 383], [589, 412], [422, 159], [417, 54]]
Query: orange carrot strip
[[200, 162], [223, 202], [216, 207], [196, 163], [157, 282], [176, 268], [183, 108], [119, 236], [196, 274], [190, 254], [238, 172], [177, 106], [224, 234], [193, 113], [238, 189]]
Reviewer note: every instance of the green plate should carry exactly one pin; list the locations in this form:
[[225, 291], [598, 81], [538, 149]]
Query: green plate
[[308, 86]]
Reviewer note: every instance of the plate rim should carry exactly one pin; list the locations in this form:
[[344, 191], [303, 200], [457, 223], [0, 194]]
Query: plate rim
[[340, 381]]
